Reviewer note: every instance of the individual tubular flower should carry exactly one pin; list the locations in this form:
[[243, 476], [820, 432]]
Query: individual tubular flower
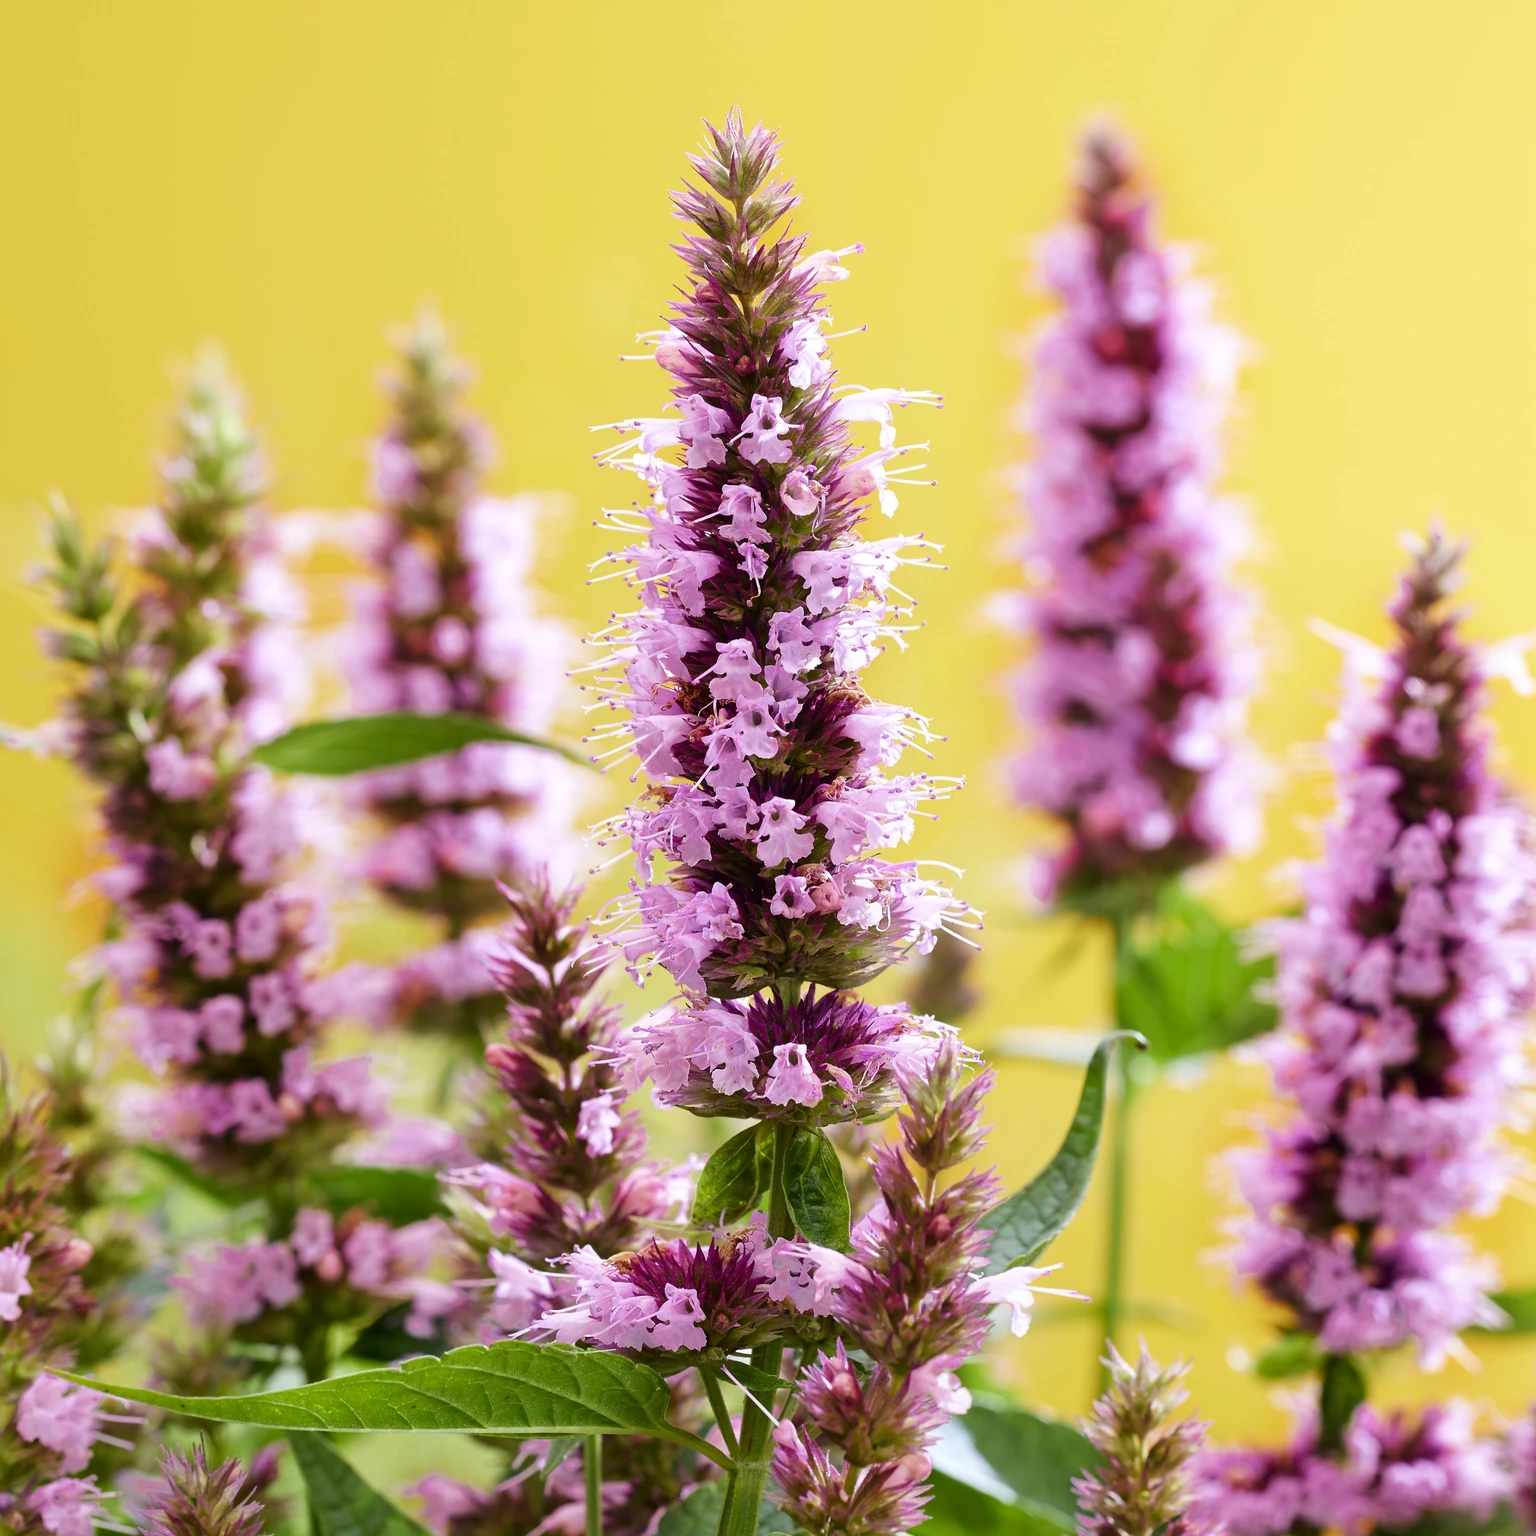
[[1143, 1484], [768, 793], [451, 624], [1402, 989], [908, 1297], [216, 956], [1393, 1472], [1137, 690]]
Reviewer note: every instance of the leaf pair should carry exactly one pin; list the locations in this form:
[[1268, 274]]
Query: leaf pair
[[1187, 984], [737, 1176]]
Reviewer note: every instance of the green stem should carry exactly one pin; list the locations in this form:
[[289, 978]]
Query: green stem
[[744, 1493], [717, 1404], [593, 1459], [1119, 1168]]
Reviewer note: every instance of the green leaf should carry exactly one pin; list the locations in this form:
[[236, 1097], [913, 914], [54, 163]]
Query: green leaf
[[1028, 1221], [957, 1509], [1189, 988], [1035, 1456], [1295, 1355], [395, 1195], [529, 1391], [561, 1447], [1519, 1307], [761, 1384], [341, 1503], [1342, 1392], [699, 1515], [731, 1181], [192, 1177], [363, 742], [818, 1197]]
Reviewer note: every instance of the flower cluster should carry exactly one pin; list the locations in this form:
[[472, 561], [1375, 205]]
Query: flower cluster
[[572, 1171], [759, 607], [452, 626], [217, 948], [1402, 988], [1143, 1484], [1136, 692], [908, 1297], [1393, 1472], [571, 1175], [50, 1427], [190, 1498]]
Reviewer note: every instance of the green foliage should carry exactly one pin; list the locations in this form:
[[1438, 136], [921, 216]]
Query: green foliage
[[1295, 1355], [699, 1515], [334, 748], [816, 1191], [341, 1503], [512, 1388], [395, 1195], [957, 1509], [1186, 985], [1028, 1221], [1343, 1391], [1519, 1307], [1036, 1457], [732, 1181]]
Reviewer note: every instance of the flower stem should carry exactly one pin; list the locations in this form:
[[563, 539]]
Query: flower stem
[[593, 1460], [744, 1494], [1119, 1168]]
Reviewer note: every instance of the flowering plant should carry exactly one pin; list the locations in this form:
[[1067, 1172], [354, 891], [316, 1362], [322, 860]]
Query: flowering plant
[[825, 1350]]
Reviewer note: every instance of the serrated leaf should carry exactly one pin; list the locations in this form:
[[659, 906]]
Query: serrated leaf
[[816, 1191], [334, 748], [341, 1502], [395, 1195], [729, 1184], [529, 1391], [1028, 1221], [1036, 1457], [1188, 987], [699, 1515]]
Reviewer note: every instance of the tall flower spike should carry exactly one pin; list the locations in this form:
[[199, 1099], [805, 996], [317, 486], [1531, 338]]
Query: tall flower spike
[[1136, 693], [1402, 989], [195, 1499], [571, 1175], [452, 624], [1143, 1485], [217, 952], [768, 793]]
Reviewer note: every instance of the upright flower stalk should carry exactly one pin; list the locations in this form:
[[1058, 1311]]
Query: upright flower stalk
[[1143, 1485], [451, 624], [1135, 693], [218, 947], [573, 1174], [1402, 988]]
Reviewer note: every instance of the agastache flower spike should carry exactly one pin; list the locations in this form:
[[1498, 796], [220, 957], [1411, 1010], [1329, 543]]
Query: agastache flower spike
[[1137, 691], [194, 1499], [1143, 1485], [570, 1175], [216, 958], [760, 605], [452, 625], [1402, 989]]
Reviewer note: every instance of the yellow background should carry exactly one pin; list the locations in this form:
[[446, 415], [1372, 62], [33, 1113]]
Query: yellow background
[[290, 177]]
